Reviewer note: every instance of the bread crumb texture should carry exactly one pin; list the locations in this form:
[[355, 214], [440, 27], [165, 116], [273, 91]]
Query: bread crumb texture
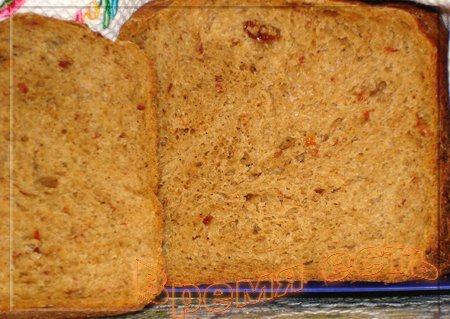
[[289, 133], [84, 169]]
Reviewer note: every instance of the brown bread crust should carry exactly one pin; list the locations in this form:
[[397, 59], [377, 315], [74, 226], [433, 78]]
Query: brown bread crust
[[69, 313], [444, 151]]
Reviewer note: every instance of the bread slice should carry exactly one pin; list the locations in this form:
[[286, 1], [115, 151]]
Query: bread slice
[[84, 171], [292, 131]]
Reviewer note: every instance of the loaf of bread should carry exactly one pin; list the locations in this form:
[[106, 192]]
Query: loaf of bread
[[292, 132], [78, 147]]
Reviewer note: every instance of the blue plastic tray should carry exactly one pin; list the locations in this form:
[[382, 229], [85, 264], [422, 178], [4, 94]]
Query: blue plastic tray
[[442, 284]]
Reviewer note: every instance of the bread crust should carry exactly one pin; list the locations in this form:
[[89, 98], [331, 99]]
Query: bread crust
[[444, 153], [67, 313]]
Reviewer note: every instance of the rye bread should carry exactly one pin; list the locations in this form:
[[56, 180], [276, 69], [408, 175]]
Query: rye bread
[[291, 130], [84, 171]]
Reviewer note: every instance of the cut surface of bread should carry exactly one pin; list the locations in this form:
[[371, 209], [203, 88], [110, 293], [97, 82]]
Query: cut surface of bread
[[296, 133], [81, 157]]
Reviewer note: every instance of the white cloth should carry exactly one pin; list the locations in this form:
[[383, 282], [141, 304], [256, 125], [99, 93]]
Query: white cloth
[[67, 9]]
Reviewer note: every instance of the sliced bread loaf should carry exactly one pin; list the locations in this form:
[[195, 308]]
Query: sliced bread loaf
[[81, 157], [294, 131]]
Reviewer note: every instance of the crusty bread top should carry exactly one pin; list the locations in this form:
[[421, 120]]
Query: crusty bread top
[[84, 167], [443, 259], [293, 131]]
